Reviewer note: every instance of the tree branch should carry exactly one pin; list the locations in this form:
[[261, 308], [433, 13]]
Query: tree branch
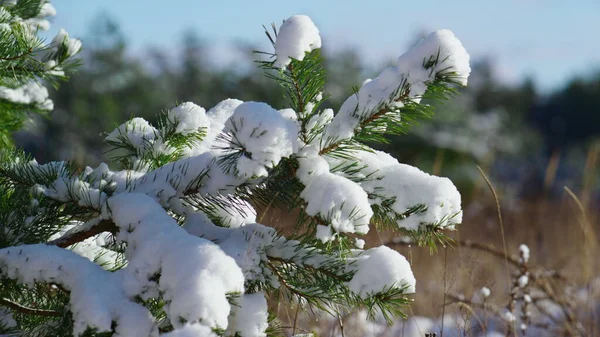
[[73, 238], [17, 57], [381, 112], [29, 311], [543, 273]]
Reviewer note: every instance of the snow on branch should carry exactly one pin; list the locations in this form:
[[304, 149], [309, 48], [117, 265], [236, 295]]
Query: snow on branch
[[438, 57], [27, 57], [30, 93], [97, 296], [395, 189], [191, 330], [256, 137], [195, 275], [381, 268], [340, 202], [208, 170], [297, 36]]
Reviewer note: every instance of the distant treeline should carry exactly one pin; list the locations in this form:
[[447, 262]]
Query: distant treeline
[[511, 130]]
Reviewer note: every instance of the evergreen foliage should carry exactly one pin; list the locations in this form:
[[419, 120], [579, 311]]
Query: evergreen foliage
[[170, 244], [27, 62]]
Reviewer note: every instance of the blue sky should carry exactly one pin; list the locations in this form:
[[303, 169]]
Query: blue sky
[[546, 39]]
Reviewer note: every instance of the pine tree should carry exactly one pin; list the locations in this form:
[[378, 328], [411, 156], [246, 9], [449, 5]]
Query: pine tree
[[26, 61], [171, 245]]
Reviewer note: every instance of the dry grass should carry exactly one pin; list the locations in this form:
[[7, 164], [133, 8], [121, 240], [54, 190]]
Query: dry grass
[[562, 236]]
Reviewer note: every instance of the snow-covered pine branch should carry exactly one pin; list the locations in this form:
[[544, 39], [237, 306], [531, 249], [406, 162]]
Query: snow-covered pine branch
[[26, 61], [170, 244]]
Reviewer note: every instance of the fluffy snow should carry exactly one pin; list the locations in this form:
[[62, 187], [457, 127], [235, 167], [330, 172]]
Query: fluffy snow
[[317, 123], [250, 317], [97, 297], [409, 74], [451, 58], [242, 214], [199, 268], [217, 117], [76, 190], [524, 253], [33, 92], [523, 281], [47, 10], [6, 319], [137, 132], [379, 269], [72, 46], [340, 201], [191, 330], [385, 178], [297, 35], [30, 93], [91, 248], [246, 244], [411, 187], [200, 172], [189, 118], [263, 135], [195, 274], [40, 21], [325, 234], [508, 316]]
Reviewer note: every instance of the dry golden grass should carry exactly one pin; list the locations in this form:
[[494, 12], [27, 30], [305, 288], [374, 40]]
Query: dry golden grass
[[561, 233]]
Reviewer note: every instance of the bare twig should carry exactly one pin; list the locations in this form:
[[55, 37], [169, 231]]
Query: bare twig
[[456, 299], [445, 289], [341, 323], [499, 210], [489, 183]]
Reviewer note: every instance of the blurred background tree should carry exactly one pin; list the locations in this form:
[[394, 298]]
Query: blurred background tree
[[529, 141]]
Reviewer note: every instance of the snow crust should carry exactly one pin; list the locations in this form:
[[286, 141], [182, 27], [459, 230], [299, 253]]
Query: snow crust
[[297, 35]]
